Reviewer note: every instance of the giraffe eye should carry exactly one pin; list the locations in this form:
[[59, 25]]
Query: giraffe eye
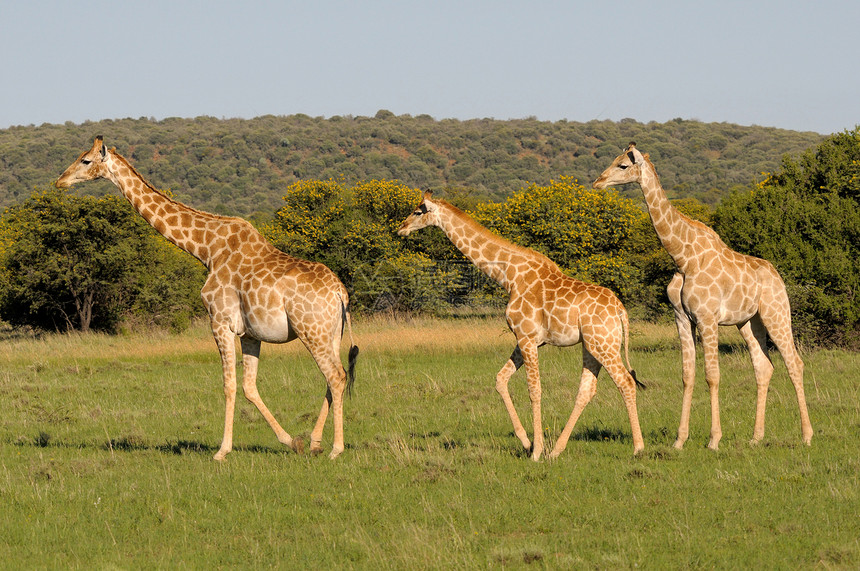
[[85, 161], [623, 167]]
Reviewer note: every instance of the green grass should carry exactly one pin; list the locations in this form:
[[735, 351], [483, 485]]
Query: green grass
[[106, 448]]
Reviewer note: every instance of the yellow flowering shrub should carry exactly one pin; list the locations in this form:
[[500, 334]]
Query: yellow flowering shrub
[[585, 231], [303, 226], [386, 200]]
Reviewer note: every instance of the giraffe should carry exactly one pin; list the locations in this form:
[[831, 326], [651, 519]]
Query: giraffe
[[253, 291], [545, 306], [715, 286]]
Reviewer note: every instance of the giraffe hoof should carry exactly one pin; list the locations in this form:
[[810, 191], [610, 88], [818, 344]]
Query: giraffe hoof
[[219, 457], [298, 445], [679, 445]]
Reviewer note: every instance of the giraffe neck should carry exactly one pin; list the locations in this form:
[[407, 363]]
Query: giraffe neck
[[492, 254], [671, 226], [187, 228]]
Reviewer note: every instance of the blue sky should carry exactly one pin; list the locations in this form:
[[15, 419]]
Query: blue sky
[[788, 64]]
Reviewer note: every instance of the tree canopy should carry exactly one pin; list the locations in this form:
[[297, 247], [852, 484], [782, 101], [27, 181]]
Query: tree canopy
[[241, 167], [805, 219], [78, 262]]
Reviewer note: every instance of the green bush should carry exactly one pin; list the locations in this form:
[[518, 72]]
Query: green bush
[[351, 229], [78, 262], [805, 219]]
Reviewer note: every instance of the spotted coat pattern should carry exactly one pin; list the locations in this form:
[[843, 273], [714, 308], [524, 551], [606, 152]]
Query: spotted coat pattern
[[715, 286], [253, 291], [545, 307]]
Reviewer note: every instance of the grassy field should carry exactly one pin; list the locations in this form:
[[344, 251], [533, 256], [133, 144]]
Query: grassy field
[[106, 448]]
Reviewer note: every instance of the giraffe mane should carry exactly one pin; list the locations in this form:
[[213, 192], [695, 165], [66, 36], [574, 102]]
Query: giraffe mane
[[647, 158], [480, 228], [697, 223], [149, 186]]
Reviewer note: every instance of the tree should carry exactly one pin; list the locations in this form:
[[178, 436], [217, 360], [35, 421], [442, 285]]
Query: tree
[[351, 229], [585, 231], [78, 262]]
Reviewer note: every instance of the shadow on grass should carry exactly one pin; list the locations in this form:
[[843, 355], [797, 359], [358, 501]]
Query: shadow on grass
[[723, 347], [136, 444], [19, 333], [180, 447], [586, 434], [434, 435], [600, 434]]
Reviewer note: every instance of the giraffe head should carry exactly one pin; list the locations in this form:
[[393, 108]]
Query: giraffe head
[[426, 214], [627, 167], [91, 165]]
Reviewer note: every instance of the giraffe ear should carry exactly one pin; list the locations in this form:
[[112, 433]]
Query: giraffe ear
[[98, 144], [632, 156]]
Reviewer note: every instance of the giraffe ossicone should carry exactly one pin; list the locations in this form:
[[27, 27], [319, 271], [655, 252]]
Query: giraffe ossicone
[[545, 307], [715, 286], [253, 291]]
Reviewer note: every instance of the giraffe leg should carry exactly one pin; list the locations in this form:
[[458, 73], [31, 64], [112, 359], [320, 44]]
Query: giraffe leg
[[329, 363], [316, 434], [755, 335], [250, 360], [502, 378], [227, 349], [710, 343], [529, 350], [587, 389], [779, 328], [688, 357], [627, 386], [338, 385]]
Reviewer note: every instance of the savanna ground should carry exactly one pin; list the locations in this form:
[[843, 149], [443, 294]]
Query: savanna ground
[[106, 448]]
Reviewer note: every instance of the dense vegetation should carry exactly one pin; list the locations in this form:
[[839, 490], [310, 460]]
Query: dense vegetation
[[242, 167], [805, 218], [70, 260], [352, 230]]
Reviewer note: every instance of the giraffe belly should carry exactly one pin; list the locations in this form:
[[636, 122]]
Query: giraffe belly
[[271, 327], [729, 302], [734, 314], [740, 302], [563, 336]]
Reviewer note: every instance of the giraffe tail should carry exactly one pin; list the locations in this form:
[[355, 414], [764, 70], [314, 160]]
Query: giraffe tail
[[625, 324], [353, 348]]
